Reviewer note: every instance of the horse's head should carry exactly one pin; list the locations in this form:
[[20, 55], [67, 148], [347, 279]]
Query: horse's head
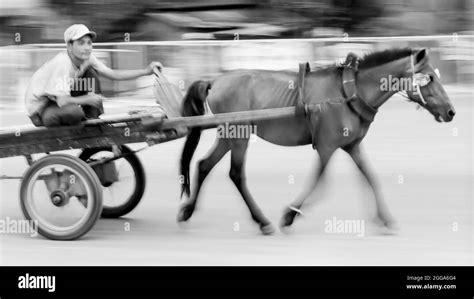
[[426, 89]]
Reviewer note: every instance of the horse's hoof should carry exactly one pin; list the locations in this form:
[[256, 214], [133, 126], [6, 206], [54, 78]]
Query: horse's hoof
[[386, 226], [267, 229], [285, 229], [387, 231], [385, 222], [391, 227], [287, 218], [184, 214]]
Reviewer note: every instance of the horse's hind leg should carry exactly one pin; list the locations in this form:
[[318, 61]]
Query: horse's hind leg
[[294, 208], [204, 167], [237, 175], [383, 214]]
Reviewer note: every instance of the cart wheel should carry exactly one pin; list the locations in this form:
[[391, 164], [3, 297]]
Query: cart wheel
[[62, 195], [124, 194]]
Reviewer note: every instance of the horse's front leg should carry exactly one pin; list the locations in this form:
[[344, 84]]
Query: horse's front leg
[[360, 159], [295, 207]]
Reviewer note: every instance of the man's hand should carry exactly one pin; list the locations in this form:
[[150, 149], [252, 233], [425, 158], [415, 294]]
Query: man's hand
[[96, 100], [152, 66], [61, 100]]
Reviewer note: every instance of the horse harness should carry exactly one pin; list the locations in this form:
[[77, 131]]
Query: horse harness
[[349, 88], [355, 102], [358, 104]]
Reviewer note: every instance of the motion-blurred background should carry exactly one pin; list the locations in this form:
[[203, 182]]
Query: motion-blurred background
[[200, 36], [45, 20], [198, 40]]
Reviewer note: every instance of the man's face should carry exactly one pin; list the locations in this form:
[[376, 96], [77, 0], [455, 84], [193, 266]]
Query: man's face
[[81, 48]]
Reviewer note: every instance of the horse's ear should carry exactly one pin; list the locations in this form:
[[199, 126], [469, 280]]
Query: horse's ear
[[421, 56]]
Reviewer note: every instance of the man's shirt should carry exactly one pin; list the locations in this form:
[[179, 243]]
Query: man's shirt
[[54, 78]]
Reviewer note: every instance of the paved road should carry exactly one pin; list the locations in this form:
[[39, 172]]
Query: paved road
[[433, 205]]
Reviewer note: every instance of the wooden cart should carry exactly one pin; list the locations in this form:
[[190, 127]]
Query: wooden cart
[[63, 193]]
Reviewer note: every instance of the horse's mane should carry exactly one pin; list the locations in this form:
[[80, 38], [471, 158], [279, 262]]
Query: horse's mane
[[382, 57], [373, 59]]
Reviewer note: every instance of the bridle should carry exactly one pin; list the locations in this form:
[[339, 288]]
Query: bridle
[[419, 80], [366, 111]]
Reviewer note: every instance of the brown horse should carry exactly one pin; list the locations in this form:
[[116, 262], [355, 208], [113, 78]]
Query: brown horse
[[338, 123]]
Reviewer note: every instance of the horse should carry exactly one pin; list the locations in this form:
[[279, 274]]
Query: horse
[[339, 124]]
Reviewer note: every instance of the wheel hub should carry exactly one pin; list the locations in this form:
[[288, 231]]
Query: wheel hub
[[58, 198]]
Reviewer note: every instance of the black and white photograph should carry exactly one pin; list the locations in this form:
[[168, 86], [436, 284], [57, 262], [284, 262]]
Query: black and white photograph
[[237, 135]]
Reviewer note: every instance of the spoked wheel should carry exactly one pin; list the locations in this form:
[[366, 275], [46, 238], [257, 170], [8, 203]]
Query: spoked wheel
[[62, 195], [122, 193]]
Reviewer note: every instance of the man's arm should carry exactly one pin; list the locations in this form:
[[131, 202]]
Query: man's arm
[[109, 73]]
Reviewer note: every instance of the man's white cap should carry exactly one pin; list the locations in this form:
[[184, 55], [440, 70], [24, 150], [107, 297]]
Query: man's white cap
[[76, 31]]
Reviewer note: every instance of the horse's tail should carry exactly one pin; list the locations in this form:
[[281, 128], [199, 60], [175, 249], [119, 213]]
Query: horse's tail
[[193, 104]]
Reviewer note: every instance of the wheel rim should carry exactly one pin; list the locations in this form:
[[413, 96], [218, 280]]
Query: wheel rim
[[77, 207], [119, 192]]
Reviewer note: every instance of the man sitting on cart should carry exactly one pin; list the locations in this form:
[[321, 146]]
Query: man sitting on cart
[[66, 89]]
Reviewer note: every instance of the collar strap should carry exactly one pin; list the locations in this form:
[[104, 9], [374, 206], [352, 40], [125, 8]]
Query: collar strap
[[351, 66], [348, 82], [364, 110]]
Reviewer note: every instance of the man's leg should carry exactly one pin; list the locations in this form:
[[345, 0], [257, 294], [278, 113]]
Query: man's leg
[[36, 120], [89, 82], [67, 115], [72, 114]]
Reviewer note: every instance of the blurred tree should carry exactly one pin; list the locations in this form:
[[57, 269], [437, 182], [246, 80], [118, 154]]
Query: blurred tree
[[123, 20], [106, 17]]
